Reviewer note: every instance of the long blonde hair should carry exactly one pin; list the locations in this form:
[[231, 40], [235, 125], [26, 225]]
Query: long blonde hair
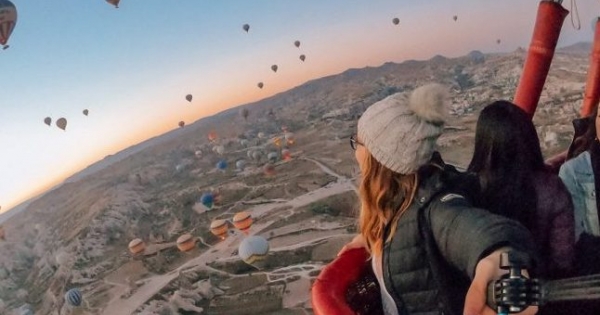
[[384, 197]]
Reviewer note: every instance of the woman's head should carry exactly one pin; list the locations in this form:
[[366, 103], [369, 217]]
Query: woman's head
[[505, 137], [395, 138], [507, 154]]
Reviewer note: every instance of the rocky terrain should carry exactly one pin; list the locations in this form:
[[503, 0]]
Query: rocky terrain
[[77, 235]]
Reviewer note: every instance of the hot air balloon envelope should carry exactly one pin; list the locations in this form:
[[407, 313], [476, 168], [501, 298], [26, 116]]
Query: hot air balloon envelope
[[73, 297], [8, 20], [297, 43], [86, 112], [137, 246], [242, 221], [188, 97], [246, 27], [222, 165], [182, 124], [396, 21], [302, 57], [61, 123], [274, 68], [253, 250], [207, 200], [219, 228], [48, 121], [114, 2], [260, 85], [186, 242]]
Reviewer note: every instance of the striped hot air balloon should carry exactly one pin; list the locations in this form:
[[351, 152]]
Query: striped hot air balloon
[[73, 297], [137, 246], [186, 242], [219, 228], [243, 221], [8, 20], [253, 250]]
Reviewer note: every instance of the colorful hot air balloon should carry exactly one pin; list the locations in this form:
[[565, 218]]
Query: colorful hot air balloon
[[455, 17], [286, 155], [86, 112], [260, 85], [253, 250], [137, 246], [246, 27], [181, 124], [48, 121], [189, 98], [74, 297], [396, 21], [272, 157], [219, 228], [297, 43], [274, 68], [277, 141], [207, 200], [243, 221], [302, 57], [261, 135], [186, 242], [114, 2], [289, 138], [8, 20], [222, 165], [61, 123], [269, 169], [212, 136]]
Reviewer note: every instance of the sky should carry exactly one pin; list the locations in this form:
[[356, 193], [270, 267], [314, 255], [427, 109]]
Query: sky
[[131, 67]]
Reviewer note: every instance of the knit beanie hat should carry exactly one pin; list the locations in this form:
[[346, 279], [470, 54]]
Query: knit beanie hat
[[401, 134]]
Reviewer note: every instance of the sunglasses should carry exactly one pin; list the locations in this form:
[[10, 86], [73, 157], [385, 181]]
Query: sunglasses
[[354, 143]]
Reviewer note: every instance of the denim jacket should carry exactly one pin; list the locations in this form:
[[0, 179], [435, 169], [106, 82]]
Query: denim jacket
[[578, 176]]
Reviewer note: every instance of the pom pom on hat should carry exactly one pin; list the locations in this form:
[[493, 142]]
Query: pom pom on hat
[[402, 134]]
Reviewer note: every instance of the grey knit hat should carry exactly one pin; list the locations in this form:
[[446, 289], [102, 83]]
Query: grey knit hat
[[401, 134]]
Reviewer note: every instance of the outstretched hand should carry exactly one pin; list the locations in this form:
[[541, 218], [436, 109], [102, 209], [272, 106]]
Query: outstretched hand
[[488, 269], [357, 242]]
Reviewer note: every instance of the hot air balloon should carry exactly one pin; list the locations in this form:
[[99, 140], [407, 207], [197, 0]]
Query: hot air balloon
[[272, 157], [290, 138], [240, 165], [137, 246], [212, 136], [302, 57], [222, 165], [269, 169], [186, 242], [276, 141], [261, 135], [256, 155], [284, 128], [189, 98], [455, 17], [86, 112], [244, 113], [73, 297], [207, 199], [253, 250], [198, 153], [246, 27], [396, 21], [274, 68], [114, 2], [498, 41], [8, 20], [48, 121], [243, 221], [181, 124], [260, 85], [244, 142], [297, 43], [219, 149], [219, 228], [61, 123], [286, 155]]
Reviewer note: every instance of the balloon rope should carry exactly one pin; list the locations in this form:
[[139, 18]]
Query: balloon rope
[[575, 11]]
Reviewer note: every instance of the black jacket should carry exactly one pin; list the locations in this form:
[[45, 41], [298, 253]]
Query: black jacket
[[463, 235]]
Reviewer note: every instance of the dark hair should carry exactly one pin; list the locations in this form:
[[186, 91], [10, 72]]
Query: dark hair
[[507, 154], [585, 134]]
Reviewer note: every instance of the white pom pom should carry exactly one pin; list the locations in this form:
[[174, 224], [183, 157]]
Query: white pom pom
[[429, 102]]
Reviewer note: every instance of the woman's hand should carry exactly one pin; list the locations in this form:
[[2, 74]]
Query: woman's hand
[[357, 242], [488, 269]]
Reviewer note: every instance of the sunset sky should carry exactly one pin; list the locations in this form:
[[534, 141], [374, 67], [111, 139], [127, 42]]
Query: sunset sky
[[132, 66]]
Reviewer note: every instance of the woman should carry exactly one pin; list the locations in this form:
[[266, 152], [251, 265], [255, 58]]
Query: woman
[[580, 175], [402, 193], [514, 182]]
